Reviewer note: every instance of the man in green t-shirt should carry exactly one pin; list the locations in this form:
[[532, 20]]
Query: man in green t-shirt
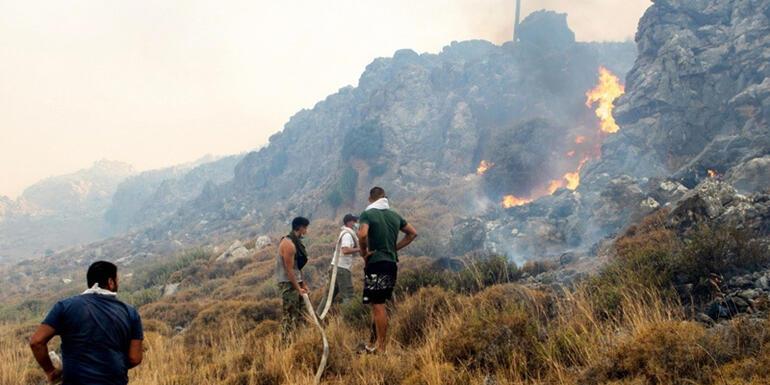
[[379, 245]]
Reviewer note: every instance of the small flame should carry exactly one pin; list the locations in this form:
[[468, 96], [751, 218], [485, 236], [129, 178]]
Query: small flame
[[713, 173], [573, 179], [580, 139], [483, 167], [605, 93], [513, 201]]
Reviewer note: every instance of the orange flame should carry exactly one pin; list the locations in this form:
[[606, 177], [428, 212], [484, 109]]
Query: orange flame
[[483, 167], [713, 173], [605, 93], [513, 201]]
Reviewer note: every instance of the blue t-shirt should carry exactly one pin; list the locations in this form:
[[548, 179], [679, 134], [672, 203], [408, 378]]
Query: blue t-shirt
[[96, 331]]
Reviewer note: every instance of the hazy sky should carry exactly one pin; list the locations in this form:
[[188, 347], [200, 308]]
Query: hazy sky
[[154, 83]]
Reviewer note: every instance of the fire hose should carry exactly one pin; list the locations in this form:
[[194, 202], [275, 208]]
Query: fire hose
[[316, 318], [325, 355], [333, 279]]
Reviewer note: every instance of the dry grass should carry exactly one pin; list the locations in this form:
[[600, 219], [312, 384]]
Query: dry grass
[[470, 327], [507, 333]]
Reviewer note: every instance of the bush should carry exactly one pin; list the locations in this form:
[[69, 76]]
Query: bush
[[483, 272], [364, 142], [173, 314], [356, 314], [420, 313], [491, 340], [160, 273], [345, 188], [663, 353], [651, 255]]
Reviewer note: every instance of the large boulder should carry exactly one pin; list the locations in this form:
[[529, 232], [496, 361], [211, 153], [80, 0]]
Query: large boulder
[[234, 253]]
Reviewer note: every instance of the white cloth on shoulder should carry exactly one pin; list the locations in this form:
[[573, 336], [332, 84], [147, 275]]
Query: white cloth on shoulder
[[95, 289], [379, 204]]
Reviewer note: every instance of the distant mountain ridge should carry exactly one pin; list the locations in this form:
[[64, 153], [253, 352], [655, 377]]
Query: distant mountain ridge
[[60, 210], [150, 197], [106, 199]]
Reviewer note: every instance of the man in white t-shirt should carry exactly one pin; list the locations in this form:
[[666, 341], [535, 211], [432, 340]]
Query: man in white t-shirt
[[348, 247]]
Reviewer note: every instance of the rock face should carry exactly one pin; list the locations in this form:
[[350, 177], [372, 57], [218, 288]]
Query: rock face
[[753, 175], [415, 123], [698, 96]]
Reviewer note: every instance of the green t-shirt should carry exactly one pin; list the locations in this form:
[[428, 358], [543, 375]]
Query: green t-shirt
[[384, 226]]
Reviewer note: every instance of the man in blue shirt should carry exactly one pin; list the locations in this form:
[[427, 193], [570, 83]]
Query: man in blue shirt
[[101, 336]]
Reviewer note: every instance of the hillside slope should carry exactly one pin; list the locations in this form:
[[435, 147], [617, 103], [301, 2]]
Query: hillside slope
[[420, 124]]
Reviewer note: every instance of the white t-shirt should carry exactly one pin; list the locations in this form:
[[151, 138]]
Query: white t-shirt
[[346, 261]]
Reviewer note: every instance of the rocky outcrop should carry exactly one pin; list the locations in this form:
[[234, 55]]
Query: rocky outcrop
[[698, 96], [415, 123], [234, 253], [716, 202], [753, 175]]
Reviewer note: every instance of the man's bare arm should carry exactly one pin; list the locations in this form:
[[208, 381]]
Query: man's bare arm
[[411, 234], [135, 352], [287, 251], [350, 250], [363, 241], [39, 345]]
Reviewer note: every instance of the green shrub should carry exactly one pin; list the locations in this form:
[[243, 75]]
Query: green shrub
[[159, 274], [334, 198], [356, 314], [364, 142], [345, 188], [483, 272], [141, 297]]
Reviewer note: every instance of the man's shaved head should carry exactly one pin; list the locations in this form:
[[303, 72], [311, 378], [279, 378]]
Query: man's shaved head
[[376, 193]]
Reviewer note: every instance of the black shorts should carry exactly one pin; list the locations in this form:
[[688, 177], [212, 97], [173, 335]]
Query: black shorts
[[379, 281]]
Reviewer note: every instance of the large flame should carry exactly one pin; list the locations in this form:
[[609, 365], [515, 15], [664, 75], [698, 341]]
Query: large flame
[[605, 93], [484, 165]]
